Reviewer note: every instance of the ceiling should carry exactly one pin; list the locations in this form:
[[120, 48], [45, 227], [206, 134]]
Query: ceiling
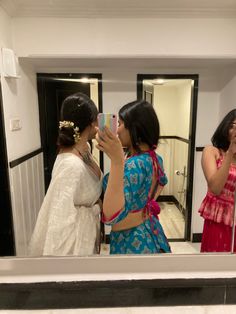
[[121, 8]]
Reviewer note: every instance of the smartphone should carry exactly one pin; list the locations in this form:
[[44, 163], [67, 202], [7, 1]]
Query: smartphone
[[109, 120]]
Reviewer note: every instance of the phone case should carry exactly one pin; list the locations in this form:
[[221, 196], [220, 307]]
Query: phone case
[[109, 120]]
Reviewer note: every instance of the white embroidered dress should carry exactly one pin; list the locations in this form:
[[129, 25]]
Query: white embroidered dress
[[68, 222]]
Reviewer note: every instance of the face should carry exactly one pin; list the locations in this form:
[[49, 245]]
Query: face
[[232, 129], [123, 134]]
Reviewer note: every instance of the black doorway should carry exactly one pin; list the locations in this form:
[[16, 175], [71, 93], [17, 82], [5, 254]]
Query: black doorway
[[190, 140], [7, 243], [52, 90]]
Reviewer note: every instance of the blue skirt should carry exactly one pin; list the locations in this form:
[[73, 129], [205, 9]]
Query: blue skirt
[[147, 238]]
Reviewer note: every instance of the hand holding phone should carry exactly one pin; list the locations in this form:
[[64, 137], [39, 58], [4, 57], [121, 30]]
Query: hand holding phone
[[109, 120]]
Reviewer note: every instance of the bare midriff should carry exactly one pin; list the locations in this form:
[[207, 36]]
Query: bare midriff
[[130, 221]]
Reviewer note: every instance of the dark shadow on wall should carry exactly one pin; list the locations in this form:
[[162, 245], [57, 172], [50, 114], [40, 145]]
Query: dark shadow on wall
[[7, 244]]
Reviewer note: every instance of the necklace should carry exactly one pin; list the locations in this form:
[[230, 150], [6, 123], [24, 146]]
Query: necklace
[[88, 160], [86, 156]]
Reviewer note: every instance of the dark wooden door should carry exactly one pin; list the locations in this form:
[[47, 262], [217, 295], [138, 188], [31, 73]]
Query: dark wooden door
[[52, 90], [7, 244]]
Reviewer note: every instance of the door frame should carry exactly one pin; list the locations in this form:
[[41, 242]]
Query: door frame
[[192, 135]]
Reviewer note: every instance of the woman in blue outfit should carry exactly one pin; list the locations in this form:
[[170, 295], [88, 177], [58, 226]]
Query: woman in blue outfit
[[134, 183]]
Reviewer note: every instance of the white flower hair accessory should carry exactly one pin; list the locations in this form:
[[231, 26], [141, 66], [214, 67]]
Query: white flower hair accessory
[[77, 134], [70, 124], [66, 124]]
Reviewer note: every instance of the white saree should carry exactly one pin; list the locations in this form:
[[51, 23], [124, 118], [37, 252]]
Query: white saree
[[68, 222]]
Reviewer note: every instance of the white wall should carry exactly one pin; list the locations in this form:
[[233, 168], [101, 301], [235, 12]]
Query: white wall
[[19, 101], [228, 98], [125, 37], [164, 99], [5, 30], [184, 98], [207, 116], [173, 109]]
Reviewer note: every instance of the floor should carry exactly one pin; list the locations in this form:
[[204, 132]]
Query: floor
[[172, 220]]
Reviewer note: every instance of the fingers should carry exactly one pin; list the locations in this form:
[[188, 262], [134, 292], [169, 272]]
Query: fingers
[[109, 133], [106, 134], [100, 143], [103, 141], [99, 147]]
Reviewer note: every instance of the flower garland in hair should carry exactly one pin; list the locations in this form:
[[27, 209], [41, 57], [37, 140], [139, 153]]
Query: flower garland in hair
[[70, 124]]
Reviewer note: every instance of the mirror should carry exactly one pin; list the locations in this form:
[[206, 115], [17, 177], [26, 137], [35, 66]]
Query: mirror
[[174, 98], [118, 84]]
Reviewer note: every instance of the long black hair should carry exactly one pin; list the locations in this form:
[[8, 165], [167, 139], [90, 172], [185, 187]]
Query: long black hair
[[79, 109], [140, 119], [220, 138]]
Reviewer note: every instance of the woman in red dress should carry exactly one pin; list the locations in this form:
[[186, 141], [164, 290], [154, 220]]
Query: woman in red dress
[[219, 167]]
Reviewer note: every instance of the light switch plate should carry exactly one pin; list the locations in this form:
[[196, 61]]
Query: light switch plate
[[15, 124]]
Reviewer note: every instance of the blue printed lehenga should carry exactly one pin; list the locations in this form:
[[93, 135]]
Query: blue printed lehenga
[[148, 237]]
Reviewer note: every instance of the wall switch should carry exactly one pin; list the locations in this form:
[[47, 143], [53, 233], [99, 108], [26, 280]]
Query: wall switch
[[15, 124]]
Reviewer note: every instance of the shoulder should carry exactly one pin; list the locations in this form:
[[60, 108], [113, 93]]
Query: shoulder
[[68, 163], [211, 151], [210, 156], [137, 161]]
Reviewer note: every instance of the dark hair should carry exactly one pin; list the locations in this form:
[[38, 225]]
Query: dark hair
[[141, 120], [79, 109], [220, 138]]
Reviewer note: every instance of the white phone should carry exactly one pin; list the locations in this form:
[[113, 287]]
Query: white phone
[[109, 120]]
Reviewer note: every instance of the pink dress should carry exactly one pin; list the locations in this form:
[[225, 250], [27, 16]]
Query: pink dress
[[217, 210]]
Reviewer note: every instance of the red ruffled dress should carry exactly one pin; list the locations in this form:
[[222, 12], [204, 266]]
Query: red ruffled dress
[[217, 210]]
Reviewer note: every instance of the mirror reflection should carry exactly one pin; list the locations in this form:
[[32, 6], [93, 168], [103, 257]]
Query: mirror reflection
[[174, 100]]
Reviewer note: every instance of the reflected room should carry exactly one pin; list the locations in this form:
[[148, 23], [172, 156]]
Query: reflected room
[[188, 96]]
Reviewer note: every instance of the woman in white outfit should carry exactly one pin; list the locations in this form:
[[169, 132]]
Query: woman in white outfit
[[68, 222]]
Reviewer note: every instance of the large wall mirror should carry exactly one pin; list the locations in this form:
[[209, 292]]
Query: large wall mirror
[[183, 97]]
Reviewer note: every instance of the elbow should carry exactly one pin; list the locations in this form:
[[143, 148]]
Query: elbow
[[216, 191], [215, 187], [110, 211]]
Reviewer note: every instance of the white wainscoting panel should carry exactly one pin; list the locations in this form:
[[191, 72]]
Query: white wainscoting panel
[[174, 153], [27, 193], [179, 163]]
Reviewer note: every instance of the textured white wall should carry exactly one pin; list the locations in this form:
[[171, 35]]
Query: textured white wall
[[228, 97], [20, 101], [207, 116], [5, 30], [125, 37]]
